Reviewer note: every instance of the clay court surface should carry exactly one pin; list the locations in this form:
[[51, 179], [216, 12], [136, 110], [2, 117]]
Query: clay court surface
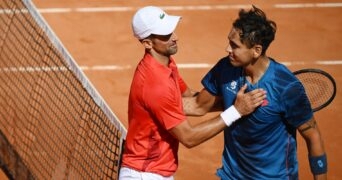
[[100, 40]]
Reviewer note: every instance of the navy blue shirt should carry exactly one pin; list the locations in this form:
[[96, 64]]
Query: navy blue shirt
[[261, 145]]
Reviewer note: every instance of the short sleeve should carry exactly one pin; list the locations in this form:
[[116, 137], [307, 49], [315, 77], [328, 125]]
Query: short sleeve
[[296, 104], [211, 80]]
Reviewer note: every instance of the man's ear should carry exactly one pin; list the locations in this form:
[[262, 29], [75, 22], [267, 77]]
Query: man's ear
[[147, 43], [257, 51]]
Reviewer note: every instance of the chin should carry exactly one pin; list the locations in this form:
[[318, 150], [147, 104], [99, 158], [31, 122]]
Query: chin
[[235, 63], [173, 51]]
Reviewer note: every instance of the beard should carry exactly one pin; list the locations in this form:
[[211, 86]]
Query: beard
[[172, 50]]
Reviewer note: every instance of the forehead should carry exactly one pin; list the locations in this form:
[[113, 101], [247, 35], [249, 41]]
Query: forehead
[[234, 35], [161, 37]]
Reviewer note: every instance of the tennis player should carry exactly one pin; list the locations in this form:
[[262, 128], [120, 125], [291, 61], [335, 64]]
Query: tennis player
[[157, 122], [261, 145]]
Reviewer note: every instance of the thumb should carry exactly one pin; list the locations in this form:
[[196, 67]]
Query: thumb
[[242, 89]]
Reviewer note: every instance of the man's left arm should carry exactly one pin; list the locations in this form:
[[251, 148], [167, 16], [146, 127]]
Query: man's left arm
[[316, 153]]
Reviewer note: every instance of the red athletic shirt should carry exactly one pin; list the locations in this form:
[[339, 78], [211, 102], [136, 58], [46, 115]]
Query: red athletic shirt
[[155, 106]]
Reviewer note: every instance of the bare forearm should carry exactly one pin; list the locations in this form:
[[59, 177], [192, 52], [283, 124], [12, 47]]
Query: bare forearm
[[191, 108], [202, 132], [191, 136], [201, 104], [312, 137], [316, 152]]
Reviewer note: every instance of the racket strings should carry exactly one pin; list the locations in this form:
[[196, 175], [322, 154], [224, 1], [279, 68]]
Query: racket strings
[[317, 96]]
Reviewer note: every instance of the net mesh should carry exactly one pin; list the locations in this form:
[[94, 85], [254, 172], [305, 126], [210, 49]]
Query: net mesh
[[51, 117]]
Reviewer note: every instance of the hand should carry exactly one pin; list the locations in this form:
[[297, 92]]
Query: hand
[[246, 103]]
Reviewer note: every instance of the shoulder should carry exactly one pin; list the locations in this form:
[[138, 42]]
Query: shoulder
[[283, 74], [224, 62], [223, 66], [287, 83]]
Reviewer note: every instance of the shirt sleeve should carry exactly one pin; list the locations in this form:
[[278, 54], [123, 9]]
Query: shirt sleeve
[[211, 81], [296, 104]]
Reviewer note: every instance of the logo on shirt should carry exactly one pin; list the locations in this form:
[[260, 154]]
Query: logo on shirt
[[161, 16], [232, 87]]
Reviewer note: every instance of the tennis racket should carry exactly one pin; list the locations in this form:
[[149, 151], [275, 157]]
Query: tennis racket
[[319, 86]]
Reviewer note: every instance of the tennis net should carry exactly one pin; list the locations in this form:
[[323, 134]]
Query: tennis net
[[53, 122]]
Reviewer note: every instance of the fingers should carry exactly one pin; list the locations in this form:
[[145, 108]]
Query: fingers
[[257, 97], [246, 103], [242, 89], [256, 92]]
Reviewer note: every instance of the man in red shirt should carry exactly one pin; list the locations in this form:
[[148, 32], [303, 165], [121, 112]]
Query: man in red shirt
[[157, 122]]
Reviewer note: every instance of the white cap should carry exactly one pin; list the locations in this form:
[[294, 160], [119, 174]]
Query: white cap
[[153, 20]]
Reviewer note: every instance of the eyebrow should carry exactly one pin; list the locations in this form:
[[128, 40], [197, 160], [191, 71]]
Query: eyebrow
[[232, 42]]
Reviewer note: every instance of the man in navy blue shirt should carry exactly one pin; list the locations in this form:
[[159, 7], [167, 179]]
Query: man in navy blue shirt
[[261, 145]]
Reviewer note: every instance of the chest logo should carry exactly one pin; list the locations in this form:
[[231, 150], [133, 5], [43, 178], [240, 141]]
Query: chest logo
[[233, 85]]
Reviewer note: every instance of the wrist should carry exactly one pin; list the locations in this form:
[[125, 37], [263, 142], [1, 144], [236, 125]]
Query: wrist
[[318, 164], [230, 115]]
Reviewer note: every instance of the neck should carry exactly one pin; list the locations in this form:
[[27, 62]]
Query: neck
[[164, 60], [254, 72]]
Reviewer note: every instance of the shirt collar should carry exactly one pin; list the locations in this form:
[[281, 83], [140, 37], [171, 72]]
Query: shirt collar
[[160, 67]]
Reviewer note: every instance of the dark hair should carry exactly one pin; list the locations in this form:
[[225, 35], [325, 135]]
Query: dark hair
[[255, 28]]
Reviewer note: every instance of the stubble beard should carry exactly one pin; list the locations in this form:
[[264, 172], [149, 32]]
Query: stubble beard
[[172, 50]]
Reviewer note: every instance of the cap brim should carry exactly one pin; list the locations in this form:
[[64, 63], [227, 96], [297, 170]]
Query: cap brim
[[167, 26]]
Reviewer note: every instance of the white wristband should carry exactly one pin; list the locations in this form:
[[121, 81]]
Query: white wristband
[[230, 115]]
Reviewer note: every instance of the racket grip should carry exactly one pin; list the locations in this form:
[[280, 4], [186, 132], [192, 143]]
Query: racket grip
[[230, 115]]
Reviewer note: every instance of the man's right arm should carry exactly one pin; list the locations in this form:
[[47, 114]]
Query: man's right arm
[[205, 102], [202, 103], [193, 135]]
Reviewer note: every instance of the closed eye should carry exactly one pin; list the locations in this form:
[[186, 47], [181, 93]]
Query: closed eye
[[233, 45]]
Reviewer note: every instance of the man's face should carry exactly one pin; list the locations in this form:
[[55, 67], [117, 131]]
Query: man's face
[[165, 44], [239, 53]]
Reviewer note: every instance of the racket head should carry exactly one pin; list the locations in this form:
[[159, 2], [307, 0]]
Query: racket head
[[319, 86]]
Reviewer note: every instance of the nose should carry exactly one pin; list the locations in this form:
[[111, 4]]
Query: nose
[[229, 49], [174, 37]]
